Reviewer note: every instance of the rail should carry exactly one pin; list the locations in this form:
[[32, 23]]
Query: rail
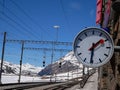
[[48, 85], [70, 83], [26, 85]]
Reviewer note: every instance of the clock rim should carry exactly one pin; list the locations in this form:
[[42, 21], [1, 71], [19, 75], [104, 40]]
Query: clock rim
[[94, 65]]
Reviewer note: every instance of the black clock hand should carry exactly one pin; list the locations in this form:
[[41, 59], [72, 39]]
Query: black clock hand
[[92, 53]]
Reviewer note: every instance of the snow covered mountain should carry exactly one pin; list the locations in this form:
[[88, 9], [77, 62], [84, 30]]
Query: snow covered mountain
[[64, 64], [27, 69]]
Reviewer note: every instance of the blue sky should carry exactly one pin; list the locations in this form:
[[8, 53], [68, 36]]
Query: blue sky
[[34, 20]]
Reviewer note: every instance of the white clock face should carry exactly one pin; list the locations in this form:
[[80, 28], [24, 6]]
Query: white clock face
[[93, 47]]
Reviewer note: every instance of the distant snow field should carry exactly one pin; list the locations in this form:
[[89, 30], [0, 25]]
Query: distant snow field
[[90, 85], [14, 79], [11, 78], [30, 73]]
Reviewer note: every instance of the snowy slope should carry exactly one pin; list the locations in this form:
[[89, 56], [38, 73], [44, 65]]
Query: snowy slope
[[68, 63], [11, 72], [9, 68], [61, 76], [71, 57]]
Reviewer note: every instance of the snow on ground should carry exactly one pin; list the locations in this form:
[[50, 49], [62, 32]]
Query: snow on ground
[[69, 75], [11, 78], [32, 68], [91, 84], [14, 79]]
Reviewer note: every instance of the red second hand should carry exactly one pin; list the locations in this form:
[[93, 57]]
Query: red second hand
[[101, 41]]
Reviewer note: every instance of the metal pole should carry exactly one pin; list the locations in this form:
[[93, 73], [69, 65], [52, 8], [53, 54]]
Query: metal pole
[[68, 70], [83, 70], [52, 62], [55, 77], [117, 48], [21, 61], [77, 72], [88, 70], [56, 27], [53, 48], [3, 49]]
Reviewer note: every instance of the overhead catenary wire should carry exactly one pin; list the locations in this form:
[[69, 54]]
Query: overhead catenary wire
[[13, 26], [47, 49], [10, 24], [41, 42], [64, 13], [22, 22], [28, 16], [11, 20], [18, 25]]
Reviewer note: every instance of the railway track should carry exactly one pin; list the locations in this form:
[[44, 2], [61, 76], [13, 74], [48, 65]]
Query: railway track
[[72, 82], [62, 86], [22, 86], [48, 85]]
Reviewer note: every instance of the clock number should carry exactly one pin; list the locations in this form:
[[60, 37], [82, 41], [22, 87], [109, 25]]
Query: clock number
[[77, 46], [108, 47], [84, 60], [106, 55], [79, 53], [100, 34], [85, 34], [106, 40], [100, 60], [80, 39]]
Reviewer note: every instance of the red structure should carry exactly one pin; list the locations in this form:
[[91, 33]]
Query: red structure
[[108, 16]]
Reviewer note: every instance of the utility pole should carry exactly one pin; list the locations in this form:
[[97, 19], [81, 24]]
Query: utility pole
[[56, 27], [21, 61], [68, 70], [3, 49], [52, 62], [52, 55]]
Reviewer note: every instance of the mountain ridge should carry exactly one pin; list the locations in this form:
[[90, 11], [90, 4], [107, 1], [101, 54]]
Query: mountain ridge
[[66, 63], [27, 69]]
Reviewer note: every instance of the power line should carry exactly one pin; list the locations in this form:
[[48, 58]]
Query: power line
[[13, 26], [20, 20], [18, 24], [47, 49], [40, 42], [7, 23], [33, 21], [64, 13]]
